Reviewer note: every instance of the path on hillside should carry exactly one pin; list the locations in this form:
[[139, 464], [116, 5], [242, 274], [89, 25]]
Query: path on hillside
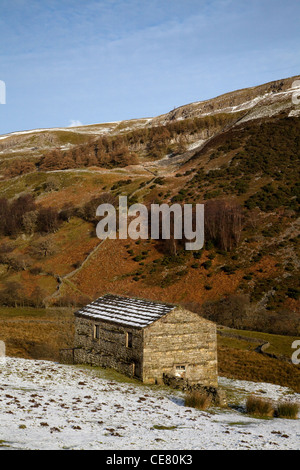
[[65, 279], [62, 280]]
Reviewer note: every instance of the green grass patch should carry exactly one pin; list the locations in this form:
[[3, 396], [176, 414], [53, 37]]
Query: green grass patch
[[4, 444], [279, 344], [11, 312], [70, 137], [164, 428], [110, 374]]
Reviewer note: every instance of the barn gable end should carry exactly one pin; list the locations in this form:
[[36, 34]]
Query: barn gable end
[[181, 344]]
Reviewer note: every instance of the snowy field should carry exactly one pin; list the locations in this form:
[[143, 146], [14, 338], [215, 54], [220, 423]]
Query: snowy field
[[45, 405]]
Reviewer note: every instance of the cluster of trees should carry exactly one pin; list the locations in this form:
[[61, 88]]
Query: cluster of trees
[[13, 295], [104, 153], [19, 167], [123, 150], [173, 137], [237, 311], [223, 224], [22, 215]]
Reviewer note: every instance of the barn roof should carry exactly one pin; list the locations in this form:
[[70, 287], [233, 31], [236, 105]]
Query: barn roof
[[126, 311]]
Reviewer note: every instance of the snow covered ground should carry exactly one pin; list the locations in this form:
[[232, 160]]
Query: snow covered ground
[[45, 405]]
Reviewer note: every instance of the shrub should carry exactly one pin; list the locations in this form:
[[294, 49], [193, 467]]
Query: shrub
[[232, 310], [293, 293], [259, 407], [199, 400], [67, 212], [88, 211], [12, 295], [44, 247], [195, 265], [29, 222], [206, 264], [287, 410], [15, 263], [228, 269], [138, 258], [197, 254], [66, 301], [47, 220], [36, 270]]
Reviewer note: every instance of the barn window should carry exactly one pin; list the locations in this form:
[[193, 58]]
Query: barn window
[[97, 332], [180, 370], [128, 340]]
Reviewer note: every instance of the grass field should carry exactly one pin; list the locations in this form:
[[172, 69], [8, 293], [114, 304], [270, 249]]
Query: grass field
[[36, 333], [238, 359], [248, 340]]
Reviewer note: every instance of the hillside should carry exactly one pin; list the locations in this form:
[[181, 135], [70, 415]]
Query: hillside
[[237, 153]]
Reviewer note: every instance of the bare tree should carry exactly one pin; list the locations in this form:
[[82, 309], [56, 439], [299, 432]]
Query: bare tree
[[30, 222], [224, 222], [44, 247]]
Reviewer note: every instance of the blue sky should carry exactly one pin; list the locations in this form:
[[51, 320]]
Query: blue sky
[[96, 61]]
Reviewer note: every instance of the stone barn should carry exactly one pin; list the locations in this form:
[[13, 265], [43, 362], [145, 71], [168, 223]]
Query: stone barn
[[146, 340]]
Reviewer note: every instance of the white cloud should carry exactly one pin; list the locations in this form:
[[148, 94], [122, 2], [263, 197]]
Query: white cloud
[[75, 123]]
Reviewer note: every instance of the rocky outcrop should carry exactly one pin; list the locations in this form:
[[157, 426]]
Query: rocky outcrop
[[240, 100]]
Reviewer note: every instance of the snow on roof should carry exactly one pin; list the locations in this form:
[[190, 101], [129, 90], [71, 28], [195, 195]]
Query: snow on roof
[[126, 311]]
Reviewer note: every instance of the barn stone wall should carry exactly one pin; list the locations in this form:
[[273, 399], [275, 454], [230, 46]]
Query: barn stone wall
[[66, 356], [181, 339], [111, 349]]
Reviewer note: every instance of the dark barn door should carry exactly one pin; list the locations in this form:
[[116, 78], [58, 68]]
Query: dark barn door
[[137, 369]]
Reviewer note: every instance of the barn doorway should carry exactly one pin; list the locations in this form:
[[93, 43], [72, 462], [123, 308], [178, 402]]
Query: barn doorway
[[137, 370]]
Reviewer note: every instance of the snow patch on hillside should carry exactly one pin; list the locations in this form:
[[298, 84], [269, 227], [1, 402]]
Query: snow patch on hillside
[[93, 129]]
